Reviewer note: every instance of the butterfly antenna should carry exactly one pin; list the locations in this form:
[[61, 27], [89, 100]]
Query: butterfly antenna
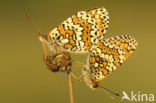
[[29, 19], [34, 25], [108, 92]]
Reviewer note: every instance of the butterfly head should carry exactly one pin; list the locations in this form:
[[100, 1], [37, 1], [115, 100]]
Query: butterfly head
[[95, 86]]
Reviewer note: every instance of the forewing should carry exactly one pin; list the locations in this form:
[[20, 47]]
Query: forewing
[[101, 17], [79, 32]]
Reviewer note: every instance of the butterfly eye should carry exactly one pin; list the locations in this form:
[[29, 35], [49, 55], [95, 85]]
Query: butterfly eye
[[95, 86]]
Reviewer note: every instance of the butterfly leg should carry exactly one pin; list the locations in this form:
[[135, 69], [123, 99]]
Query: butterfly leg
[[79, 64], [76, 78]]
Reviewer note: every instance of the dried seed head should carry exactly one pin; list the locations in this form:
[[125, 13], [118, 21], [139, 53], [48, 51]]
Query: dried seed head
[[59, 62]]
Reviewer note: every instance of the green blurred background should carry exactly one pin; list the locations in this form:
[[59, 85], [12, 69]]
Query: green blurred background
[[24, 77]]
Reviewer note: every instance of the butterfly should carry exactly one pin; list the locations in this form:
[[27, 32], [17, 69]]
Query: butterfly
[[84, 32], [106, 57], [79, 32]]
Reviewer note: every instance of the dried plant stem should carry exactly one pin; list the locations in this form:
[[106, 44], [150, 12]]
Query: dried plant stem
[[70, 88]]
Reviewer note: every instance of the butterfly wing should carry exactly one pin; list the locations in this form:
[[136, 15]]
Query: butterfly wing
[[101, 17], [79, 32], [109, 54]]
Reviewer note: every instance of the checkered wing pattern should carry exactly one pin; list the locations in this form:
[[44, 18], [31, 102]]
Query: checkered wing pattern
[[109, 54], [79, 32]]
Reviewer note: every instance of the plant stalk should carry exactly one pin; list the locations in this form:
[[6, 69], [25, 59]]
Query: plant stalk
[[70, 88]]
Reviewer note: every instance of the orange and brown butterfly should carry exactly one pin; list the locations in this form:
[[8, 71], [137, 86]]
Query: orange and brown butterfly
[[79, 32], [106, 57]]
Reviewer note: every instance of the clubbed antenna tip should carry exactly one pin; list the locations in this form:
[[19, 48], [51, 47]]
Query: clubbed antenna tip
[[32, 23], [26, 16]]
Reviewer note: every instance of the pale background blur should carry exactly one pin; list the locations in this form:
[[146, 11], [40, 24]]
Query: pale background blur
[[23, 74]]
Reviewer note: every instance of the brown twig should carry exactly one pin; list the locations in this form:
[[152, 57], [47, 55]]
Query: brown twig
[[70, 88]]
